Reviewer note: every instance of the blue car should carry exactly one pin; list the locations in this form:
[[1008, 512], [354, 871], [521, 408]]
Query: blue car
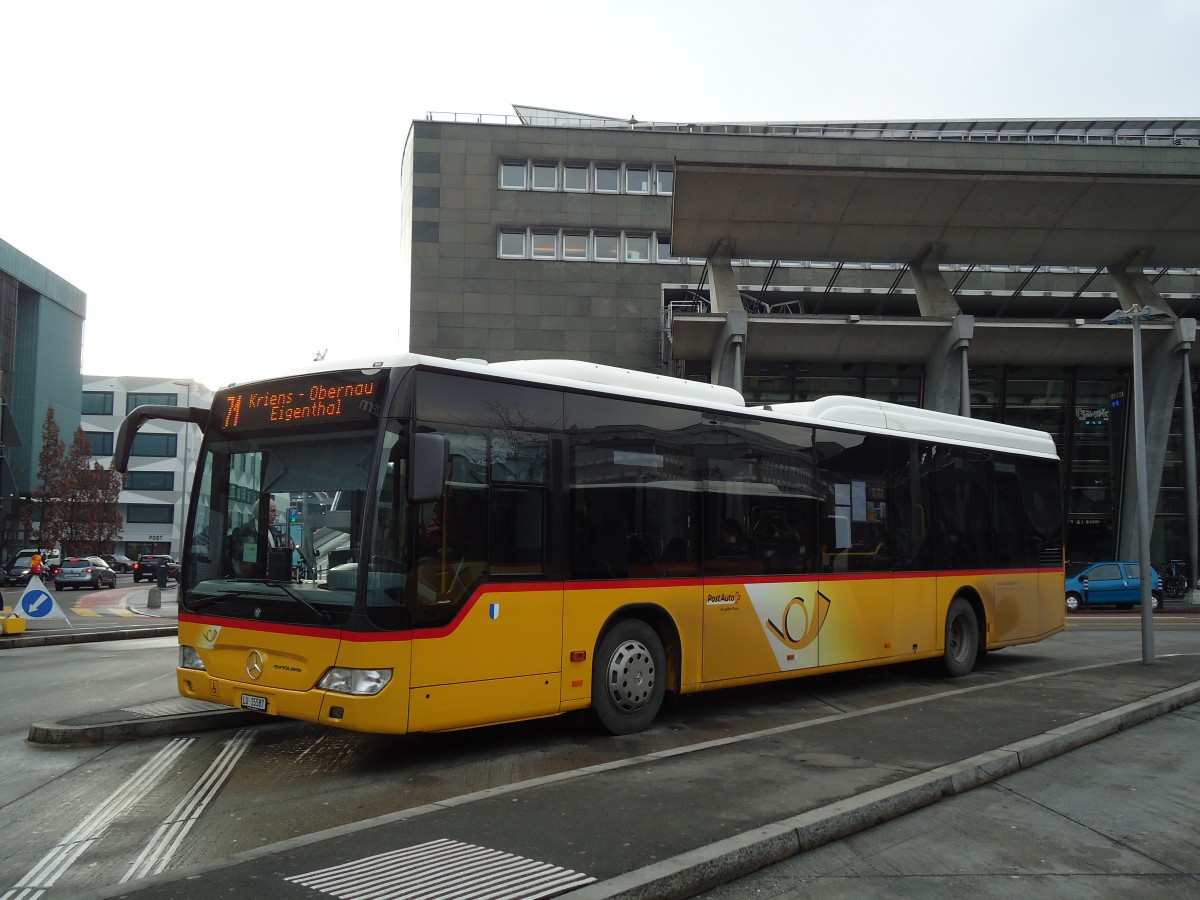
[[1116, 584]]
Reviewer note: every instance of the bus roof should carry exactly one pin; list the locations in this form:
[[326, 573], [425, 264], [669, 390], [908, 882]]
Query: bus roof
[[854, 413], [877, 415]]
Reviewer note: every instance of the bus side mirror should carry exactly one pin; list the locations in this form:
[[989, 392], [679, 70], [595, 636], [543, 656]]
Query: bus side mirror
[[428, 466]]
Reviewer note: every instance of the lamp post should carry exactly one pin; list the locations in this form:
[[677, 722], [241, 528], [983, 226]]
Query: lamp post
[[1135, 315]]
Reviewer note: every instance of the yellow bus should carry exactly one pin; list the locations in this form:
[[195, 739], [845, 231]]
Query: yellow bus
[[418, 544]]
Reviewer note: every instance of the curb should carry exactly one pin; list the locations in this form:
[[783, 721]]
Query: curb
[[62, 735], [87, 637], [719, 863]]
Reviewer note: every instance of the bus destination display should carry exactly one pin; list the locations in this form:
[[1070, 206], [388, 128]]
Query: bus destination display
[[335, 397]]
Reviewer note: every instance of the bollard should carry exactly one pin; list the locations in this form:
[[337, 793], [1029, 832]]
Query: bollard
[[155, 600]]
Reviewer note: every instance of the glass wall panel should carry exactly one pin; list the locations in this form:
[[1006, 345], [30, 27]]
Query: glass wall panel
[[839, 378], [1094, 461], [986, 386], [764, 383]]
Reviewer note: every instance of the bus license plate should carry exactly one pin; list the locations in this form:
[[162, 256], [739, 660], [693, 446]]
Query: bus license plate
[[250, 701]]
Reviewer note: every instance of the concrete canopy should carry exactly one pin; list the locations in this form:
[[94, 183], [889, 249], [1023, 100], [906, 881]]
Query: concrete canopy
[[1078, 214]]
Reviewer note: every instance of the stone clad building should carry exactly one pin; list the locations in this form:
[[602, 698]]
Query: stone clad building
[[966, 266]]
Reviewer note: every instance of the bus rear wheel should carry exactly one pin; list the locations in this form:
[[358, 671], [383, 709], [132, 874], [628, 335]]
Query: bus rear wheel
[[628, 677], [962, 638]]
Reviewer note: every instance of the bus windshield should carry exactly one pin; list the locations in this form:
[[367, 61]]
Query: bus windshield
[[278, 526]]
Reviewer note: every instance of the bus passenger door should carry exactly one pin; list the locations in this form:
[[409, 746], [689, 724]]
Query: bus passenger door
[[858, 546], [487, 642], [762, 607]]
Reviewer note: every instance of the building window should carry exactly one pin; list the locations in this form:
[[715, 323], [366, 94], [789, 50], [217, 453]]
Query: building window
[[607, 247], [583, 246], [575, 246], [637, 179], [512, 176], [545, 176], [133, 401], [580, 177], [575, 177], [664, 250], [102, 441], [637, 248], [153, 445], [608, 179], [150, 481], [545, 245], [151, 513], [97, 403], [512, 244]]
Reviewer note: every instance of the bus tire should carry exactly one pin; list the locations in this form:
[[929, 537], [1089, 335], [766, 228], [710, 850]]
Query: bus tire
[[962, 638], [628, 677]]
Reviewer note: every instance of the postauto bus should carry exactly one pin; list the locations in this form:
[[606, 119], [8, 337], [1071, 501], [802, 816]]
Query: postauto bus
[[459, 544]]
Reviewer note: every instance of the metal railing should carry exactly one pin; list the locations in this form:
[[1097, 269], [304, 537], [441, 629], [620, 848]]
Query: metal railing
[[1100, 132]]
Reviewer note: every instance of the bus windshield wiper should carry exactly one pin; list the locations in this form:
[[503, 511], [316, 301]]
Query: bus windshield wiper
[[319, 613], [202, 602]]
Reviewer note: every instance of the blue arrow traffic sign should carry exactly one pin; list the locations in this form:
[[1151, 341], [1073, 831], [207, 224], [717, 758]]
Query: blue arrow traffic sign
[[37, 604]]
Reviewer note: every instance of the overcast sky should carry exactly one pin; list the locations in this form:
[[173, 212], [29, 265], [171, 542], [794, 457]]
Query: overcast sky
[[227, 174]]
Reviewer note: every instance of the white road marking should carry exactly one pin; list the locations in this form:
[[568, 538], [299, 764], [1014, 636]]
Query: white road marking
[[170, 834], [443, 868], [52, 866]]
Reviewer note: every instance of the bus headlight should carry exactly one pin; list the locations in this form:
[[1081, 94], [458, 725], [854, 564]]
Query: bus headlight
[[189, 658], [355, 681]]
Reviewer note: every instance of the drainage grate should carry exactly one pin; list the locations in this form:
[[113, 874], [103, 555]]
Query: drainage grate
[[443, 868]]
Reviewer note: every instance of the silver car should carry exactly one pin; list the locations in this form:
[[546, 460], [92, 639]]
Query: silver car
[[84, 571]]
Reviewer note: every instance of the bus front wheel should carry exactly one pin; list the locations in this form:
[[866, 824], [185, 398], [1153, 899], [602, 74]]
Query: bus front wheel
[[962, 638], [628, 677]]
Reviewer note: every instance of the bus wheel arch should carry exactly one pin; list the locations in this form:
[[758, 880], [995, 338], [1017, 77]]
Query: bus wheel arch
[[634, 665], [965, 635]]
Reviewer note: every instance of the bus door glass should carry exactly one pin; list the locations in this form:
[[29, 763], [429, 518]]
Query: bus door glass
[[478, 579], [856, 546], [762, 613]]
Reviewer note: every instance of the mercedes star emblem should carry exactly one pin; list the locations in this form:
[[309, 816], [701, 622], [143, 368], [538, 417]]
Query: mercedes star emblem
[[254, 665]]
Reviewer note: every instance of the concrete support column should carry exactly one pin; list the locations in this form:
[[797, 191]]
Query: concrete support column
[[1160, 368], [933, 296], [1134, 287], [947, 387], [723, 293], [729, 352], [1186, 329]]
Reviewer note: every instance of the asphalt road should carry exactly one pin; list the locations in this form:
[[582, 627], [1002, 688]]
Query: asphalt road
[[709, 772]]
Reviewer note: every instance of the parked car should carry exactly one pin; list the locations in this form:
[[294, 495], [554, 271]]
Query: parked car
[[148, 563], [84, 571], [1116, 584], [17, 570], [118, 562]]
